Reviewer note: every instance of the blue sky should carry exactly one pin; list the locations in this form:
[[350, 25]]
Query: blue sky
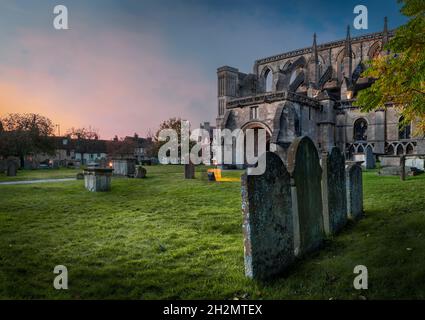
[[124, 66]]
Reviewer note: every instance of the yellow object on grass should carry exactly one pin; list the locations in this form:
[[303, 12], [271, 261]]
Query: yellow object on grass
[[219, 178]]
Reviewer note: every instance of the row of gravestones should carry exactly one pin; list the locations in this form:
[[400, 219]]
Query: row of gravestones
[[287, 212]]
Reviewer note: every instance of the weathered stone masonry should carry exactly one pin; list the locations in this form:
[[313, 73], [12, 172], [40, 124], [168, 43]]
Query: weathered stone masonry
[[309, 92]]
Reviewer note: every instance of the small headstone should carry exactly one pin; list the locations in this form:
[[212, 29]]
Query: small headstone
[[403, 168], [306, 174], [370, 158], [189, 171], [211, 176], [80, 176], [140, 172], [333, 191], [55, 164], [12, 168], [3, 165], [354, 182], [267, 220]]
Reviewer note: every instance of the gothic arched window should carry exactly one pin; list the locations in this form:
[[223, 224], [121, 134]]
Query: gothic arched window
[[297, 125], [403, 129], [268, 78], [360, 130]]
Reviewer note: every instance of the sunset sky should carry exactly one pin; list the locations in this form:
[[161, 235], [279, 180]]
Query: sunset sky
[[126, 65]]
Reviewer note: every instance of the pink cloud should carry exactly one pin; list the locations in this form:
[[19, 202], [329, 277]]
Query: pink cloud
[[117, 81]]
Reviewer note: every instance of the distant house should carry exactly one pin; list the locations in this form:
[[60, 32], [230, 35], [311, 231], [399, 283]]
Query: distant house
[[69, 150], [141, 147]]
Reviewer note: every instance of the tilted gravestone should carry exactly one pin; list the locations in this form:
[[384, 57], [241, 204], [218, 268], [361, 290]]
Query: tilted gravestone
[[12, 168], [306, 176], [354, 182], [267, 220], [333, 191], [370, 158], [189, 171]]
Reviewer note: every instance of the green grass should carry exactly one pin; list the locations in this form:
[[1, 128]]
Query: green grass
[[41, 174], [165, 237]]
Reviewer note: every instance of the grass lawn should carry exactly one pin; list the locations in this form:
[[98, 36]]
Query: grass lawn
[[41, 174], [165, 237]]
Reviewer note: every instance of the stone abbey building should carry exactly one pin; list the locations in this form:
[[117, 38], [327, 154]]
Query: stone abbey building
[[310, 92]]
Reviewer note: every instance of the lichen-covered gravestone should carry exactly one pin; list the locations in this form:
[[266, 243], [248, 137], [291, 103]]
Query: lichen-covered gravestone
[[189, 171], [12, 168], [333, 191], [370, 158], [306, 174], [354, 183], [267, 220]]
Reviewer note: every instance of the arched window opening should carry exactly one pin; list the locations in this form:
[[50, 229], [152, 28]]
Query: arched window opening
[[360, 130], [404, 130], [409, 149], [360, 149], [390, 150], [268, 77], [351, 151], [297, 126], [294, 75], [400, 150]]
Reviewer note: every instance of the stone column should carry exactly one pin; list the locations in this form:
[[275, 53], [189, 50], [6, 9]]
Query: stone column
[[380, 132]]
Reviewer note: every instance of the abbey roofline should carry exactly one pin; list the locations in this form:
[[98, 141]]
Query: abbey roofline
[[324, 46]]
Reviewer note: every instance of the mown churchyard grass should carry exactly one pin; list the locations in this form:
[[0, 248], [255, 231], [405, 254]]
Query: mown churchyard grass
[[167, 237], [41, 174]]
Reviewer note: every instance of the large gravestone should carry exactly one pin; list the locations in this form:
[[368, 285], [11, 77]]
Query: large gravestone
[[12, 168], [306, 174], [333, 191], [189, 171], [267, 220], [354, 188], [370, 158]]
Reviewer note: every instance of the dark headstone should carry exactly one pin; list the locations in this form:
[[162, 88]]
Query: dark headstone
[[370, 158], [80, 176], [333, 191], [306, 174], [267, 220], [140, 172], [12, 168], [211, 176], [403, 168], [354, 181], [3, 165], [55, 164], [189, 171]]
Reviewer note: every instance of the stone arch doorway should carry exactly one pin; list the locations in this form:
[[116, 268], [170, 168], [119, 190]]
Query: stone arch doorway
[[255, 126]]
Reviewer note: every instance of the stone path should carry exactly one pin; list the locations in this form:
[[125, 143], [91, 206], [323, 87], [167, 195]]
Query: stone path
[[36, 181]]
